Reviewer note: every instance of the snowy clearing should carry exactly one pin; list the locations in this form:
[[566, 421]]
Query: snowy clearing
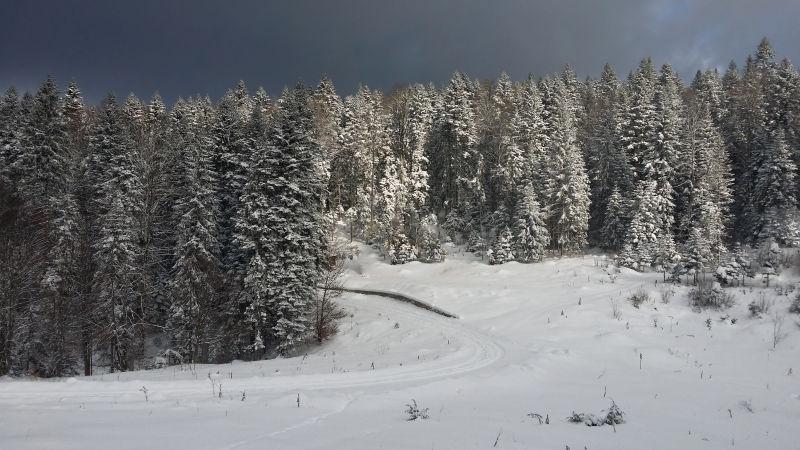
[[531, 339]]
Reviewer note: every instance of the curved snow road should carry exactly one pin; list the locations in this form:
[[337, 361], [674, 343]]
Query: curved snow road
[[469, 351]]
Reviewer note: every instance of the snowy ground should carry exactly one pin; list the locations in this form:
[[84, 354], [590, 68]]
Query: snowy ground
[[511, 353]]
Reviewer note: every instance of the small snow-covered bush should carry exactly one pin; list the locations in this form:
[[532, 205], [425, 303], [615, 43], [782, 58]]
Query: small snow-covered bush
[[590, 420], [401, 251], [612, 416], [666, 294], [759, 307], [710, 295], [639, 297], [414, 412]]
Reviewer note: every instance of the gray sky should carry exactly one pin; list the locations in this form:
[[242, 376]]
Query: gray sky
[[181, 48]]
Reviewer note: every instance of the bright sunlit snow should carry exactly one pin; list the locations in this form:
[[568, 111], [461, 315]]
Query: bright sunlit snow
[[531, 339]]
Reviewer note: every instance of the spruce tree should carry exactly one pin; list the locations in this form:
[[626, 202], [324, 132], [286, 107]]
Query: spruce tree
[[280, 225], [429, 249], [530, 236], [196, 273], [365, 145], [501, 251], [615, 222], [568, 185], [642, 239], [774, 193], [116, 190], [455, 161], [11, 117]]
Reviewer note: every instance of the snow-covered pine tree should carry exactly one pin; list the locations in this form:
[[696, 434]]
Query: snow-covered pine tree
[[76, 121], [501, 251], [231, 158], [567, 185], [774, 192], [156, 229], [280, 223], [115, 254], [196, 273], [392, 202], [504, 160], [11, 118], [78, 125], [574, 91], [400, 249], [44, 171], [783, 104], [530, 236], [638, 126], [455, 161], [116, 190], [41, 163], [327, 107], [615, 222], [365, 144], [696, 254], [706, 184], [262, 102], [476, 243], [60, 299], [418, 123], [660, 165], [531, 136], [641, 244], [606, 163], [429, 249]]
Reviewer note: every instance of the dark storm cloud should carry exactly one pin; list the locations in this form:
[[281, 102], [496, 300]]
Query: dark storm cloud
[[182, 48]]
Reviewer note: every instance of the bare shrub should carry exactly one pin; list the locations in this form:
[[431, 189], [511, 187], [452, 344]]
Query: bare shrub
[[778, 335], [639, 297], [666, 293], [615, 312], [759, 307], [414, 412], [328, 313]]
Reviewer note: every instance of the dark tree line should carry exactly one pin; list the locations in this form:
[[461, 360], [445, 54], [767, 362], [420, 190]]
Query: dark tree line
[[206, 228]]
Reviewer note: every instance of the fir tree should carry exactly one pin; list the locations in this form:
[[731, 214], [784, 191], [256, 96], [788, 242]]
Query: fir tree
[[116, 253], [43, 158], [501, 253], [11, 117], [615, 223], [454, 158], [641, 245], [530, 232], [280, 225], [196, 273], [116, 192], [774, 193], [327, 107], [365, 145], [568, 185], [429, 249]]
